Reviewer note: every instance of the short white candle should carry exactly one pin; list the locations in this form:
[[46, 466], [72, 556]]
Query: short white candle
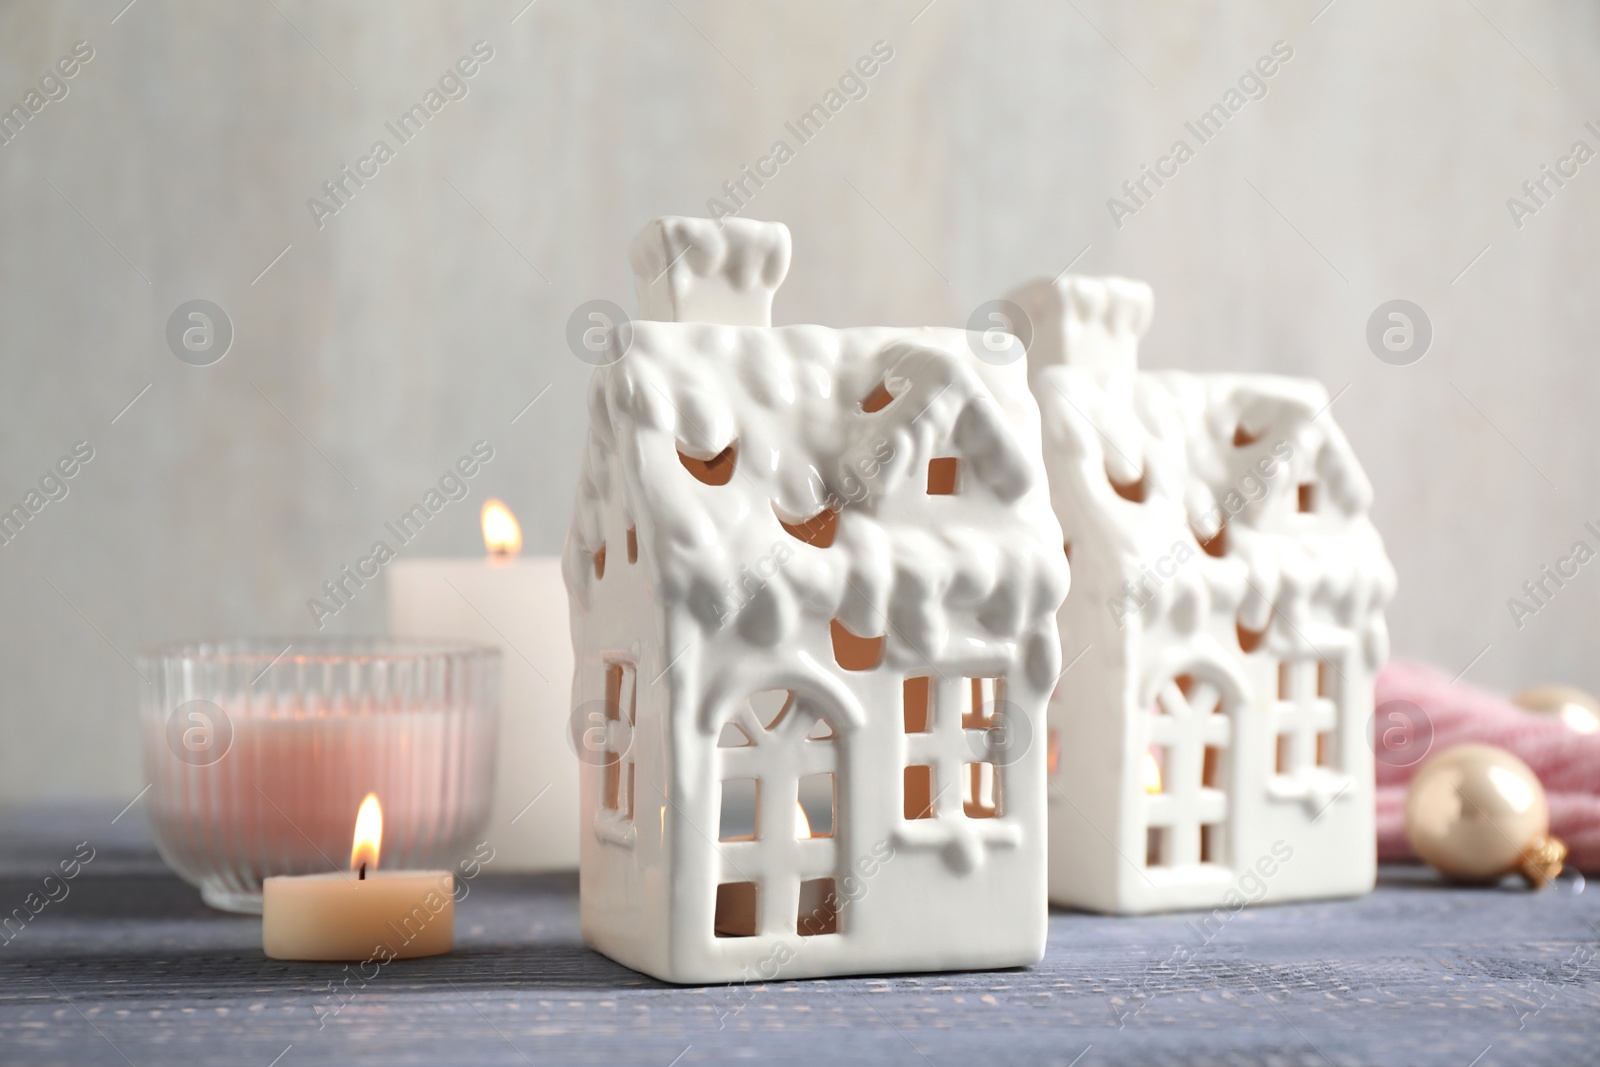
[[360, 915], [519, 605]]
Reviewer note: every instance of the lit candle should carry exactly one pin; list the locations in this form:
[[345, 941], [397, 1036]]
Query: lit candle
[[520, 606], [360, 914]]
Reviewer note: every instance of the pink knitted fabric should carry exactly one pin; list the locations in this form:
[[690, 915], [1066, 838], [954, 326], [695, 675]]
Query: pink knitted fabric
[[1567, 763]]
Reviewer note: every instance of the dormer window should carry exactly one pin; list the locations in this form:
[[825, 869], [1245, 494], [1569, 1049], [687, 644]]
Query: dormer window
[[718, 470]]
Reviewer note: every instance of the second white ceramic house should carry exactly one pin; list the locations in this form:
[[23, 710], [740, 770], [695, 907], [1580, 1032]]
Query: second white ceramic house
[[1209, 747]]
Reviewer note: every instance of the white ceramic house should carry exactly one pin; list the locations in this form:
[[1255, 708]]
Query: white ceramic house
[[819, 565], [1210, 748]]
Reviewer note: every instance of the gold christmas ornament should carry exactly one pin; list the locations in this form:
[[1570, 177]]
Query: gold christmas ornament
[[1477, 813], [1579, 710]]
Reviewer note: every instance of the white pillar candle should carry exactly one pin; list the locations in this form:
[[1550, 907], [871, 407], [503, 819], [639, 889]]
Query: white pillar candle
[[519, 605], [363, 914]]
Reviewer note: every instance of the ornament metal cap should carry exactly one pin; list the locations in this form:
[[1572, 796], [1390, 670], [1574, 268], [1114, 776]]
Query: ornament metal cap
[[1541, 861]]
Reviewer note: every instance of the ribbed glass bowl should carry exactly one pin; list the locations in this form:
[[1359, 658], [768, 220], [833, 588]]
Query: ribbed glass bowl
[[259, 753]]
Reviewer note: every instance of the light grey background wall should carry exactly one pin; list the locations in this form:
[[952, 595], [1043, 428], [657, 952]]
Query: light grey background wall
[[429, 311]]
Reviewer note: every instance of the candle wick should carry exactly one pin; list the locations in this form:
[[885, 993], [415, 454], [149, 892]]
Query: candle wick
[[362, 876]]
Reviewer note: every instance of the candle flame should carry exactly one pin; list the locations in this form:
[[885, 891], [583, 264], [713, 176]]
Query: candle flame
[[1152, 773], [502, 536], [802, 825], [369, 835]]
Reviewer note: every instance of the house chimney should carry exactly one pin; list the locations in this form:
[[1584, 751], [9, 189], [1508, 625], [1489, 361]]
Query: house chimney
[[704, 270], [1086, 322]]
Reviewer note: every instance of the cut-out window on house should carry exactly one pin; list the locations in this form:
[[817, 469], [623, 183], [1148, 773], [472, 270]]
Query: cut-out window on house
[[1211, 843], [818, 530], [1211, 768], [740, 818], [1053, 753], [1155, 770], [718, 470], [621, 713], [919, 792], [819, 908], [915, 697], [633, 544], [1250, 640], [733, 736], [944, 475], [1216, 545], [1307, 496], [770, 706], [736, 910], [984, 697], [980, 789], [854, 652], [1134, 491], [821, 731], [819, 802], [1155, 846], [611, 787], [600, 562], [878, 399], [1185, 768], [1243, 437], [1305, 717]]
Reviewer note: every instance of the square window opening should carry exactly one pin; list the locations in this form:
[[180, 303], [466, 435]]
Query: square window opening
[[740, 819], [1285, 762], [1154, 770], [819, 908], [1285, 682], [1155, 846], [919, 792], [611, 788], [944, 476], [983, 701], [1308, 497], [1324, 749], [1211, 768], [621, 692], [916, 693], [818, 804], [736, 910], [1211, 843], [980, 791]]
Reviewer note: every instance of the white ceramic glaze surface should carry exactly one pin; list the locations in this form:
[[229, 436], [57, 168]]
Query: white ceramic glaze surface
[[691, 601], [1227, 604]]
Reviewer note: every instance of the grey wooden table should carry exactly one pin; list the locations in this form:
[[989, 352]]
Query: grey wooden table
[[130, 968]]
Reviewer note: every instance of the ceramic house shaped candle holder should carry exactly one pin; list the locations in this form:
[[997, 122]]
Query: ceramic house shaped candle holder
[[814, 577], [1210, 748]]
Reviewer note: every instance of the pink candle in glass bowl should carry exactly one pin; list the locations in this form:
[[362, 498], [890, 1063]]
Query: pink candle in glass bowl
[[257, 751]]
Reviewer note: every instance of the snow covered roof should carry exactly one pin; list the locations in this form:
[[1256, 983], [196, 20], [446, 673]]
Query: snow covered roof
[[1251, 469], [801, 455]]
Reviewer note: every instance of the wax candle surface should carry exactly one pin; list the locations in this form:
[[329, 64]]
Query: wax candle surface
[[519, 605], [385, 916]]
